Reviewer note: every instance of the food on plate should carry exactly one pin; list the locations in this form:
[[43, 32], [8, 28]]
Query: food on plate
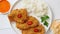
[[22, 26], [36, 6], [25, 17], [55, 27], [36, 30], [44, 19], [19, 15], [10, 18], [4, 6], [31, 22]]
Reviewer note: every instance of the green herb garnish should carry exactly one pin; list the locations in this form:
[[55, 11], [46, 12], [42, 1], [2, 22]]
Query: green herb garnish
[[44, 20], [46, 23]]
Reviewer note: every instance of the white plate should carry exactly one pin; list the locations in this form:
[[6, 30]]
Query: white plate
[[18, 5]]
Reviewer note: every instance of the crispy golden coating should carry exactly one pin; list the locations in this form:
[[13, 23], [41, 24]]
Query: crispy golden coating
[[36, 30], [10, 18], [19, 15], [31, 22], [22, 26]]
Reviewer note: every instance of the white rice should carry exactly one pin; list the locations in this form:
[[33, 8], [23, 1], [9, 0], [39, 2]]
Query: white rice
[[37, 7]]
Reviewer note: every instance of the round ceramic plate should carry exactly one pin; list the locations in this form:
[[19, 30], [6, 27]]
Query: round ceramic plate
[[18, 5]]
